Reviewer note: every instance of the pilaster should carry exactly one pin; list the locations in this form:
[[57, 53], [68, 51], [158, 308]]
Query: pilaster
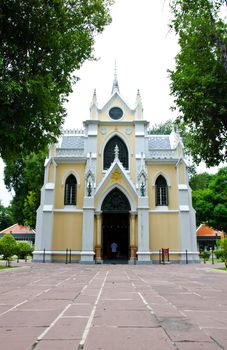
[[87, 254], [143, 252], [98, 239]]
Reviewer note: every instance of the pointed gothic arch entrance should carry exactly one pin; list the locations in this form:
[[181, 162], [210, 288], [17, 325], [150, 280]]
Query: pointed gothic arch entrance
[[115, 225]]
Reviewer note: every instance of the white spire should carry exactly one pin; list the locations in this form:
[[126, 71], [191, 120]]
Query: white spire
[[116, 152], [115, 81], [94, 98]]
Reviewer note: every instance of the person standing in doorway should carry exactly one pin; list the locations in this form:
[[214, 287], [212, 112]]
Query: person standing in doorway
[[114, 248]]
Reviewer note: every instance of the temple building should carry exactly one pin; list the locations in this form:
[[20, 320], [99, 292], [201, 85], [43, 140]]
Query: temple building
[[113, 181]]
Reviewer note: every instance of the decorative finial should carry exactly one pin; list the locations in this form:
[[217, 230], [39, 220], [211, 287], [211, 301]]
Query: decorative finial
[[115, 81], [142, 189], [89, 189], [116, 152]]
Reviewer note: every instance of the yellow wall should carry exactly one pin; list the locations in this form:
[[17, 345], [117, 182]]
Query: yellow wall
[[116, 102], [67, 231], [181, 172], [170, 174], [62, 170], [51, 172], [164, 231]]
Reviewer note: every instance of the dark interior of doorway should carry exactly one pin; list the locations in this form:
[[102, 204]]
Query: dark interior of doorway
[[115, 229]]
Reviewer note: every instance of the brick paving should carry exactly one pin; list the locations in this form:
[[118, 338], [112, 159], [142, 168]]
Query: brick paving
[[113, 307]]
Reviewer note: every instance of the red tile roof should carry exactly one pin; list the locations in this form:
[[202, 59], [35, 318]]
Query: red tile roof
[[16, 228], [204, 230]]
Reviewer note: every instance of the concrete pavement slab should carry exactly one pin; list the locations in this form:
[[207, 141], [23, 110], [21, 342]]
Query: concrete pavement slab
[[114, 338], [57, 344], [126, 318], [218, 335], [67, 328], [28, 318], [182, 329], [197, 346], [18, 338]]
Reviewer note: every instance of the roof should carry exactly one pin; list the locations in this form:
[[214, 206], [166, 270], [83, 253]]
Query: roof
[[159, 142], [204, 230], [72, 142], [16, 229]]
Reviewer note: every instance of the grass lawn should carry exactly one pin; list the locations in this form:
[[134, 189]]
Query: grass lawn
[[221, 268], [6, 267]]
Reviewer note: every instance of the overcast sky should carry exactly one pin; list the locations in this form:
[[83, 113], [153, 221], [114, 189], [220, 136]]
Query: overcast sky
[[140, 41]]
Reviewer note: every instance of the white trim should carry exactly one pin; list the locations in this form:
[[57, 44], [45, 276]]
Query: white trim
[[70, 172], [114, 165], [93, 155], [87, 252], [59, 252], [153, 252], [154, 178], [184, 208], [67, 209], [182, 187], [92, 133], [49, 186], [164, 211], [122, 189], [47, 207], [162, 208]]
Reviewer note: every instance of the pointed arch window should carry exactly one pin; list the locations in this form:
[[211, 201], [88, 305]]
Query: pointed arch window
[[161, 191], [109, 152], [70, 190]]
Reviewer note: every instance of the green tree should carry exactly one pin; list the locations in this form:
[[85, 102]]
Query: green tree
[[210, 203], [199, 81], [25, 177], [223, 246], [6, 219], [23, 250], [41, 44], [163, 128], [8, 246], [200, 181]]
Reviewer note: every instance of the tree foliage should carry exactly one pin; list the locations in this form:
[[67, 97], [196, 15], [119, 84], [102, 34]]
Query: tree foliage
[[8, 247], [25, 177], [23, 249], [6, 219], [210, 201], [223, 247], [163, 128], [199, 81], [200, 181], [41, 44]]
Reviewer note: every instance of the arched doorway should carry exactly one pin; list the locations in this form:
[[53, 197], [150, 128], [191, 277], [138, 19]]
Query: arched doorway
[[115, 225]]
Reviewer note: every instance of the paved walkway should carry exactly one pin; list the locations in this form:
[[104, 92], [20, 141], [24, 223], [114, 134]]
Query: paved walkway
[[113, 307]]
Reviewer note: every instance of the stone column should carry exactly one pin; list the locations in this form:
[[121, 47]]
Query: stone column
[[143, 252], [87, 254], [133, 247], [98, 238]]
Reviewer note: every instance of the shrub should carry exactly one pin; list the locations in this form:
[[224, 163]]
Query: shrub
[[204, 255], [23, 250], [224, 250], [8, 246], [219, 254]]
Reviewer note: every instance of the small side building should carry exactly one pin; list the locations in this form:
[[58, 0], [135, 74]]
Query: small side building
[[207, 237], [20, 233]]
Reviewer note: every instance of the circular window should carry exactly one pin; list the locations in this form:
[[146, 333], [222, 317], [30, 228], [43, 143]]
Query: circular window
[[115, 113]]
